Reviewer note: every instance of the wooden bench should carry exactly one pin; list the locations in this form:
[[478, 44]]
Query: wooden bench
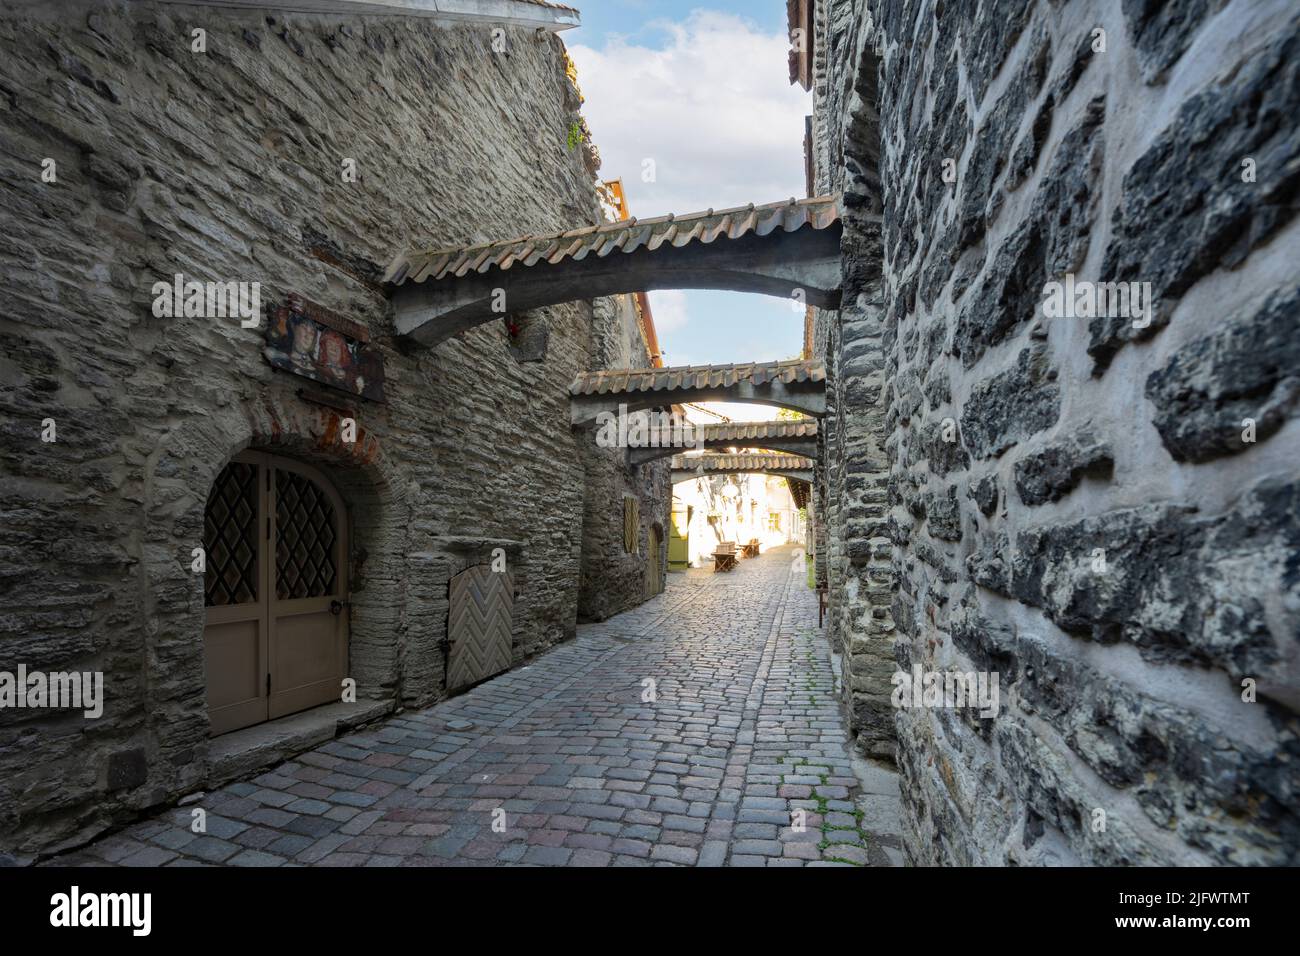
[[751, 550], [724, 556]]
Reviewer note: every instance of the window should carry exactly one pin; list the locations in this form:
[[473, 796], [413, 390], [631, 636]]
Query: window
[[774, 521]]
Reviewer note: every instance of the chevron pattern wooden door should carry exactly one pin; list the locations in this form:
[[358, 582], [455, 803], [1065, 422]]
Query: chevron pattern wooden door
[[478, 625]]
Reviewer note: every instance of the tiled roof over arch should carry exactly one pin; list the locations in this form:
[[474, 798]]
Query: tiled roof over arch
[[684, 377], [796, 384], [741, 463], [603, 239]]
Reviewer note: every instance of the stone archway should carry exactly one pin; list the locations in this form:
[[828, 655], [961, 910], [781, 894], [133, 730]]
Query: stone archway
[[180, 474]]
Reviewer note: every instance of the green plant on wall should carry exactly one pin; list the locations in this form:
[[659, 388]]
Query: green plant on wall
[[576, 136]]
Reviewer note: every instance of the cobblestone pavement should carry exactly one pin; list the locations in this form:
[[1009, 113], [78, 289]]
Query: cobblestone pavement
[[573, 767]]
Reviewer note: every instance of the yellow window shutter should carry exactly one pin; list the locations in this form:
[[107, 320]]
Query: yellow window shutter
[[631, 523]]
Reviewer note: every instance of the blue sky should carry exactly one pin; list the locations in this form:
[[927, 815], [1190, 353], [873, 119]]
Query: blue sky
[[699, 87], [631, 18]]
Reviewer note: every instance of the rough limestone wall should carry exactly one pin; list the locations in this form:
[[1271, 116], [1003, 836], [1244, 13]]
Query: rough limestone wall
[[1097, 533], [854, 474], [612, 580], [226, 166]]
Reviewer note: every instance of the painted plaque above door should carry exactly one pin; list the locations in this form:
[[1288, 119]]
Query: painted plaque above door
[[309, 340]]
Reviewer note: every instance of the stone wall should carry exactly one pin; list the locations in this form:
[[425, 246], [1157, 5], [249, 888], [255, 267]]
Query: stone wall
[[853, 475], [1104, 513], [226, 165], [614, 579]]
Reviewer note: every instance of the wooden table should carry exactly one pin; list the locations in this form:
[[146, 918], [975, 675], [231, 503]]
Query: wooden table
[[724, 558], [751, 550]]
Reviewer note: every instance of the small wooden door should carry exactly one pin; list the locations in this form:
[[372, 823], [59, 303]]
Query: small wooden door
[[276, 589], [652, 579], [679, 537], [479, 625]]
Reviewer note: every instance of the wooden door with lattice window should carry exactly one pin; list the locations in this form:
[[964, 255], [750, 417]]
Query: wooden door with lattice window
[[276, 634]]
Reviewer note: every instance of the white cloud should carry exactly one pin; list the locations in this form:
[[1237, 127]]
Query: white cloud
[[669, 309], [713, 108]]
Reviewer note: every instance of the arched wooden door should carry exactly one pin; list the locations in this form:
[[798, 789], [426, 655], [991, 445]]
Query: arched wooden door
[[276, 591]]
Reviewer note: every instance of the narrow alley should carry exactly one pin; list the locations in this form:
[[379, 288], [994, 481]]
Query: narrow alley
[[691, 730]]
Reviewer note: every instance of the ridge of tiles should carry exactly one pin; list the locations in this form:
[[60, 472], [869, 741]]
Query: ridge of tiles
[[819, 212], [716, 462], [677, 377], [741, 431]]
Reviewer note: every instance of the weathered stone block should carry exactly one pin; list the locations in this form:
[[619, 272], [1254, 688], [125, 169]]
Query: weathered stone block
[[1050, 474], [127, 769], [1211, 392], [1163, 31], [943, 515], [1051, 241], [985, 493], [1169, 582], [1012, 405], [1189, 206]]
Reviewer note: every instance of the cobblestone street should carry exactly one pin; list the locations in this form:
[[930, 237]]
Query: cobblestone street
[[573, 767]]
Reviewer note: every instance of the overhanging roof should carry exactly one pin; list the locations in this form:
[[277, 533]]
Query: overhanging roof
[[687, 377], [742, 432], [796, 384], [794, 467], [740, 463], [537, 14], [789, 248], [797, 437], [602, 239]]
